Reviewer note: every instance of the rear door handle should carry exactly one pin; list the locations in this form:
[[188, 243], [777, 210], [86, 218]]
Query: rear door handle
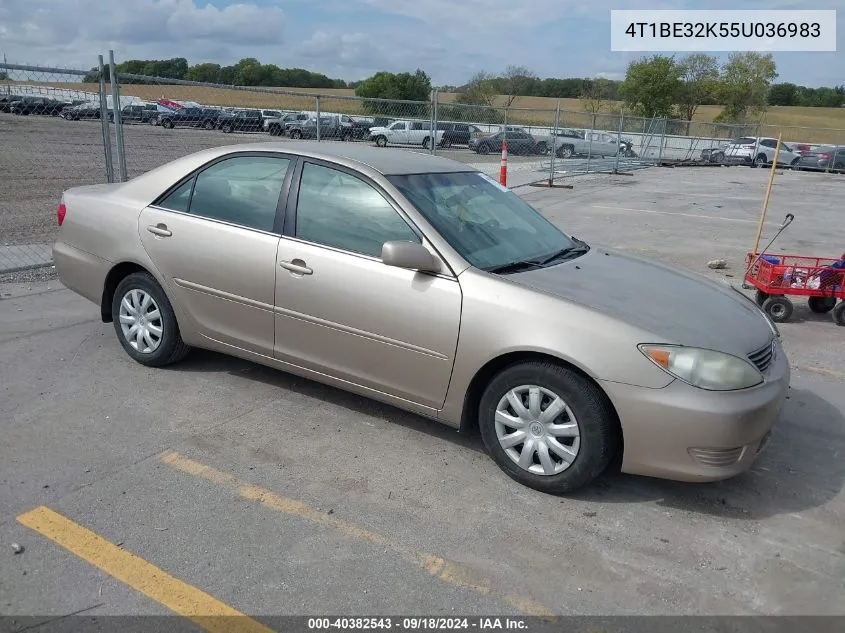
[[296, 266], [160, 230]]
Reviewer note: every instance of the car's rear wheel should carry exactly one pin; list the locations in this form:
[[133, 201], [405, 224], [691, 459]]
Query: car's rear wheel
[[381, 141], [425, 142], [483, 148], [226, 128], [778, 308], [547, 427], [821, 305], [760, 161], [296, 134], [542, 148], [208, 125], [145, 322]]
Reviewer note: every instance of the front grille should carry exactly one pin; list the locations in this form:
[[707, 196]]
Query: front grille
[[717, 457], [763, 357]]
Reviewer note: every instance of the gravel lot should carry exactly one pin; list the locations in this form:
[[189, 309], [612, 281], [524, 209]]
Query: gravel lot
[[279, 496]]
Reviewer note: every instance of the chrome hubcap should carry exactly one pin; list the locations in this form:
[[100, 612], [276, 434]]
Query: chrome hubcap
[[140, 321], [537, 430]]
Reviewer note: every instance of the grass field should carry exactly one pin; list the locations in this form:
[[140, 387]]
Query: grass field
[[527, 110]]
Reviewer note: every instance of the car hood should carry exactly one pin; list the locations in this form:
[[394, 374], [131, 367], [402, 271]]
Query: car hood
[[674, 306]]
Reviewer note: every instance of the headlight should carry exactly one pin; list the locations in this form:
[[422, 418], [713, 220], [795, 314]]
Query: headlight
[[703, 368]]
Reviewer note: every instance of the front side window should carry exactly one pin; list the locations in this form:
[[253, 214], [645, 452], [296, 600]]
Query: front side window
[[397, 126], [340, 210], [243, 190], [488, 226]]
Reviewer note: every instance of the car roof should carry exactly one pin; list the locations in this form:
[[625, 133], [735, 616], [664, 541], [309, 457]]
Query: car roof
[[387, 161]]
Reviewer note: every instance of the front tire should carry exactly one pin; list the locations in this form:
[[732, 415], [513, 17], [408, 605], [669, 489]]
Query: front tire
[[566, 151], [381, 141], [425, 142], [779, 308], [145, 322], [547, 427], [483, 148], [542, 149], [296, 134]]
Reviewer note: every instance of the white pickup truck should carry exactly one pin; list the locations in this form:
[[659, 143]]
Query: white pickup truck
[[405, 133]]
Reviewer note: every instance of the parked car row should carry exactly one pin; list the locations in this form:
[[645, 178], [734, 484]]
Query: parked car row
[[760, 152]]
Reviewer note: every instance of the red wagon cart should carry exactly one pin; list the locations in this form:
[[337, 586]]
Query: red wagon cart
[[778, 277]]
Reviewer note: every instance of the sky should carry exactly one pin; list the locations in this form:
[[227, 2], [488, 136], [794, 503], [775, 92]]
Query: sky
[[351, 39]]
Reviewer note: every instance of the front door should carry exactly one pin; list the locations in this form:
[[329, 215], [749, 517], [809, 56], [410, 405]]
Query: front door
[[214, 240], [398, 133], [342, 312]]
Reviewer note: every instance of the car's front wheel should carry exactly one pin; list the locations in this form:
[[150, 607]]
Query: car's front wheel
[[381, 141], [145, 322], [547, 426]]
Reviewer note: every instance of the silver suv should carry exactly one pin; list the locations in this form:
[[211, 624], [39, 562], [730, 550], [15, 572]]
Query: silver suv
[[759, 152]]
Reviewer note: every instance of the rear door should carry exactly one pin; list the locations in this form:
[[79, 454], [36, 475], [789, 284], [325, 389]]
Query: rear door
[[214, 237]]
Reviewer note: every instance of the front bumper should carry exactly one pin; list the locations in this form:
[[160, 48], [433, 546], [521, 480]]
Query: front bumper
[[689, 434]]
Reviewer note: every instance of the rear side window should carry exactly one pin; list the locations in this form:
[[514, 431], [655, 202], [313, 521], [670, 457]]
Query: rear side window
[[243, 190]]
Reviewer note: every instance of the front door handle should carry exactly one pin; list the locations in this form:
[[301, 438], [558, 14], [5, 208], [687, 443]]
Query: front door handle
[[160, 230], [296, 266]]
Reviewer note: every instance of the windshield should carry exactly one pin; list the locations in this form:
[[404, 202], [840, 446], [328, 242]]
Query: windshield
[[488, 225]]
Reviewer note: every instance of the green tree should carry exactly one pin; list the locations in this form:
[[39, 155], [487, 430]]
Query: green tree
[[209, 73], [785, 94], [700, 75], [516, 82], [652, 85], [744, 86], [479, 91], [405, 86], [829, 97]]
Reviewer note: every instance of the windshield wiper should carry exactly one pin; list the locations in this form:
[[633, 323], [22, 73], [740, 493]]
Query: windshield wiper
[[513, 267], [570, 252]]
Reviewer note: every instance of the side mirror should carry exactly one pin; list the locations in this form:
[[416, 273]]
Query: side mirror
[[409, 255]]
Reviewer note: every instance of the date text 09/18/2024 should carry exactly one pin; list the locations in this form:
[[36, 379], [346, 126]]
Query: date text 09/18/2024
[[417, 623]]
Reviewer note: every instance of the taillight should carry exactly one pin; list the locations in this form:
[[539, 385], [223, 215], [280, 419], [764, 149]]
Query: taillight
[[825, 156], [60, 213], [749, 147]]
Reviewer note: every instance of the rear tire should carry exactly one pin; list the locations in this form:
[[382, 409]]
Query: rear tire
[[821, 305], [590, 444], [778, 308], [168, 345], [226, 128], [208, 125], [425, 142], [483, 148], [381, 141], [760, 161], [542, 148], [296, 134]]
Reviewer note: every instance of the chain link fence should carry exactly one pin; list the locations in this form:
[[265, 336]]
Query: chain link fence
[[64, 127], [43, 154]]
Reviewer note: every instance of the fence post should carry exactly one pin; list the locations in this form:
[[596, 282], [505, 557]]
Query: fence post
[[318, 117], [619, 141], [118, 128], [434, 114], [554, 145], [662, 142], [431, 136], [104, 119], [590, 146]]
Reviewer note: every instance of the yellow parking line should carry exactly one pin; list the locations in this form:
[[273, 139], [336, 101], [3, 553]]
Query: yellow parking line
[[447, 571], [685, 215], [176, 595]]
